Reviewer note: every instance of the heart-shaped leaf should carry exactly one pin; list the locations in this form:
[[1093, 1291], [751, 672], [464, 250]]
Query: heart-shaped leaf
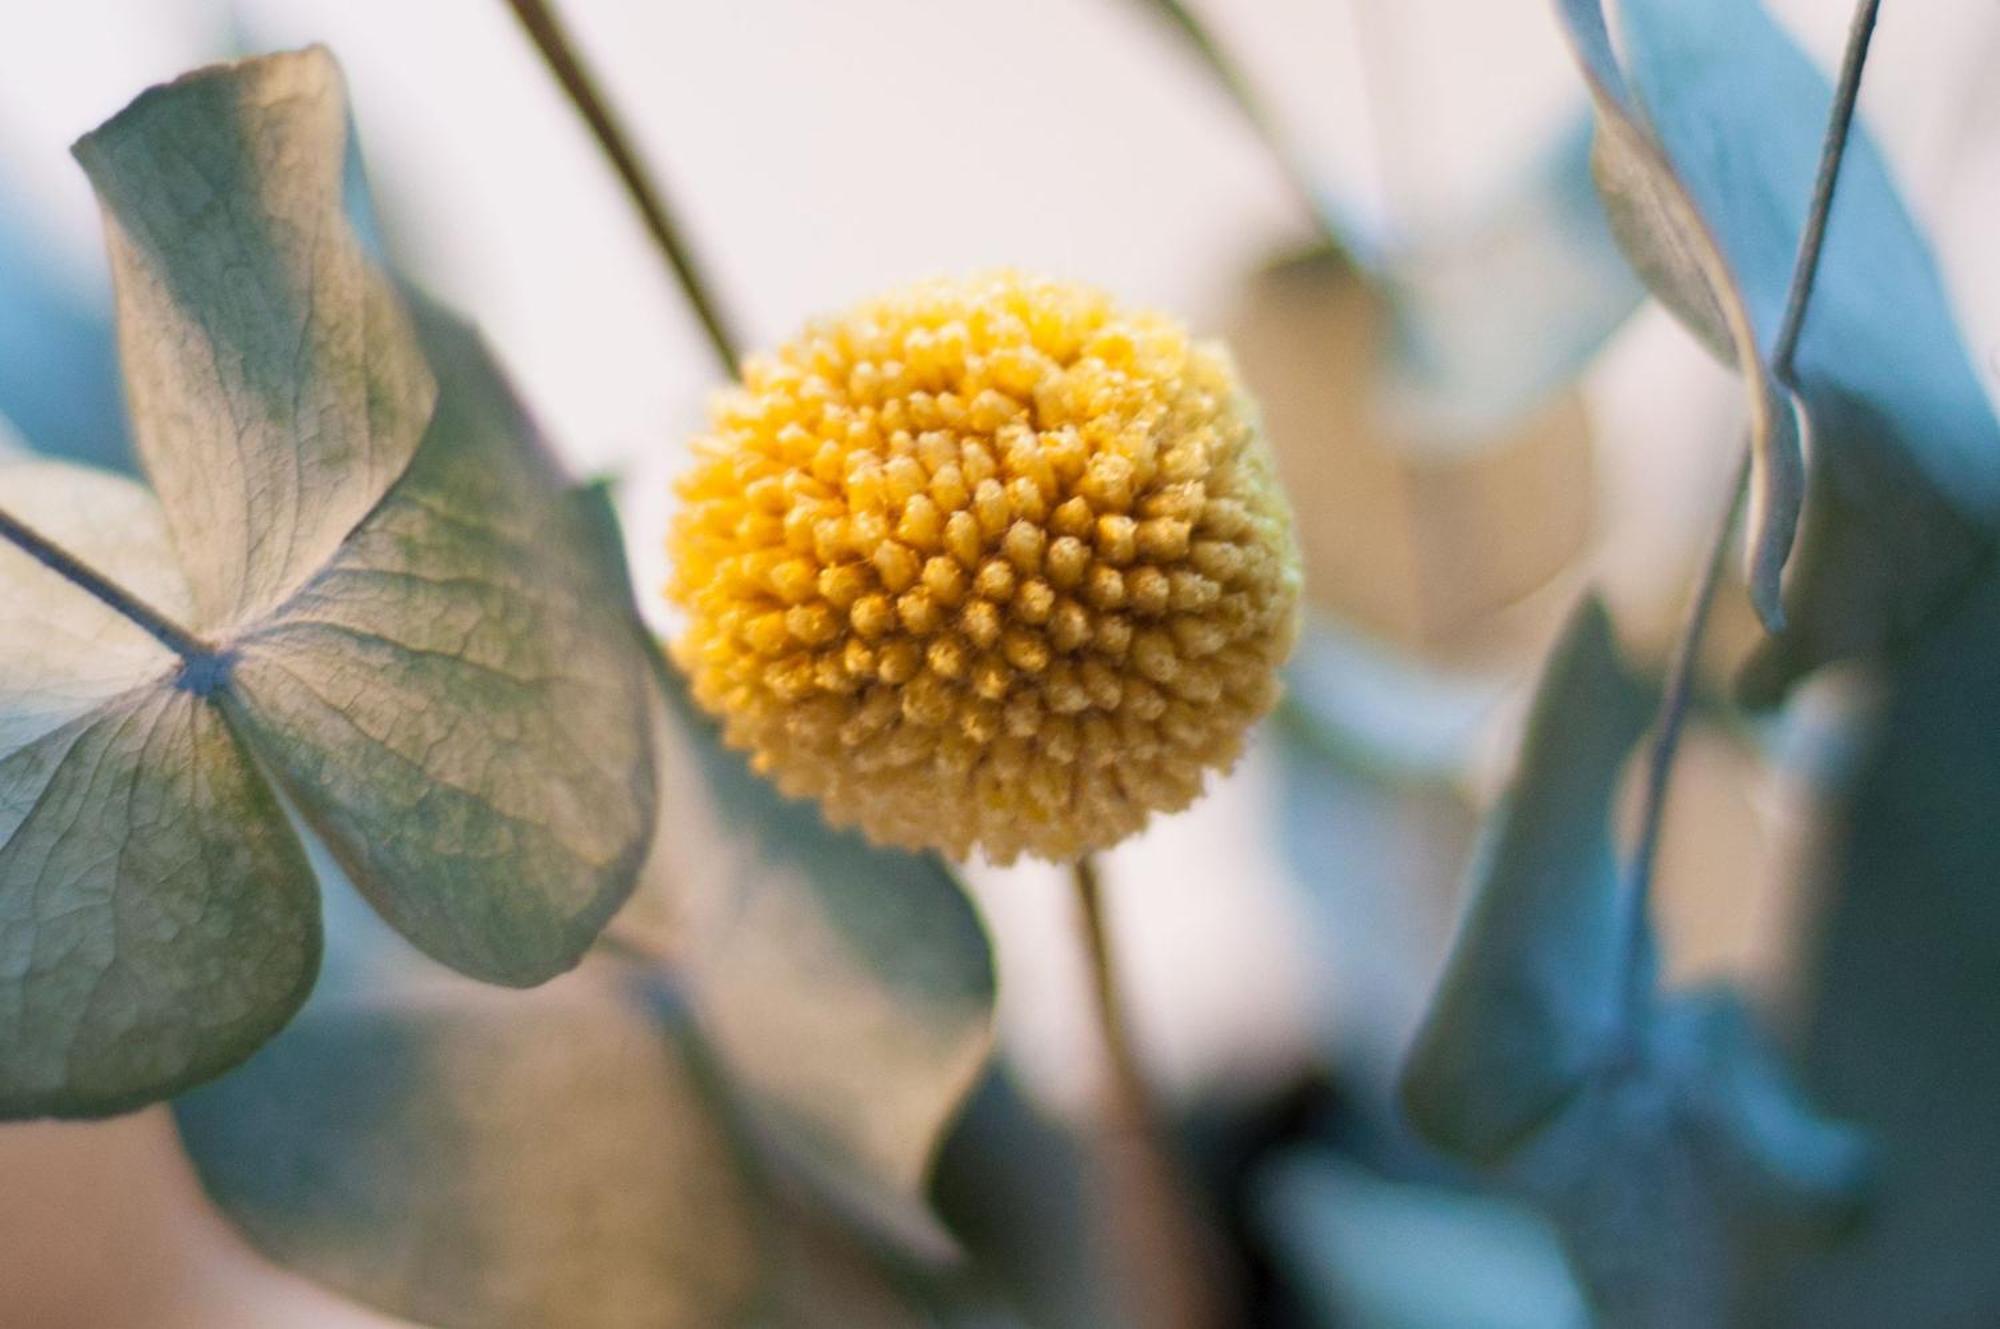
[[157, 918], [362, 575], [1709, 122], [1654, 1130]]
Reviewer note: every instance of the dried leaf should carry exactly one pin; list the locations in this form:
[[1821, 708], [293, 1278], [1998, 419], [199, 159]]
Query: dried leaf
[[847, 989], [1664, 223], [402, 620], [476, 1159], [157, 918]]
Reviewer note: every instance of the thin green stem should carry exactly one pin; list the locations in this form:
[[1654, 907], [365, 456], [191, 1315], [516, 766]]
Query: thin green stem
[[1679, 691], [56, 559], [559, 52]]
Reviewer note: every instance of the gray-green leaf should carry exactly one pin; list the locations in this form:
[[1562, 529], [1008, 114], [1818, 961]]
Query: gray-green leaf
[[135, 959], [1535, 987], [275, 382], [456, 705], [847, 989], [404, 626], [1660, 219], [478, 1159]]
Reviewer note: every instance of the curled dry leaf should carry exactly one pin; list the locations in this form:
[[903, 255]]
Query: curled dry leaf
[[1658, 218], [378, 602], [1709, 135]]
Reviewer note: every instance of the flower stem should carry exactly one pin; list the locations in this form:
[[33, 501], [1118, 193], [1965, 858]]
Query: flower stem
[[1164, 1251], [60, 561], [1679, 688], [1237, 85], [1674, 702], [543, 28]]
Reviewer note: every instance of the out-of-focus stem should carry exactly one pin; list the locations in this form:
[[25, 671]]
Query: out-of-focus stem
[[539, 19], [1243, 93], [1168, 1262]]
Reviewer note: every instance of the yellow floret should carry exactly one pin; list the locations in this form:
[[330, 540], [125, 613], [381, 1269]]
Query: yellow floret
[[987, 563]]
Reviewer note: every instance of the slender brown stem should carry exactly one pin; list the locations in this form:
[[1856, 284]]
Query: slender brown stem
[[539, 19], [60, 561], [1167, 1260], [1679, 692]]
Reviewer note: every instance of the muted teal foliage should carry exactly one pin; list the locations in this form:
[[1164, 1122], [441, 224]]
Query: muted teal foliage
[[1904, 494], [1903, 1034], [58, 358], [1654, 1128]]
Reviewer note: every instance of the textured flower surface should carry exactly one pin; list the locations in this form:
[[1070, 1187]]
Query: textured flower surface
[[987, 563]]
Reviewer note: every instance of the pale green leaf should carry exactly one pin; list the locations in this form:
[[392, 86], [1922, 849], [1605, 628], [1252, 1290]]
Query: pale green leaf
[[275, 383], [133, 961], [848, 989], [479, 1159], [456, 704], [61, 652], [405, 625]]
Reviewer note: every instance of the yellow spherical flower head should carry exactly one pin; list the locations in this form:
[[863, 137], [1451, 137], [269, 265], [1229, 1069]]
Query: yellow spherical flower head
[[988, 562]]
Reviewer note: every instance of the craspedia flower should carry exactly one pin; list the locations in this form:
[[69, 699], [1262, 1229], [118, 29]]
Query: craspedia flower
[[988, 562]]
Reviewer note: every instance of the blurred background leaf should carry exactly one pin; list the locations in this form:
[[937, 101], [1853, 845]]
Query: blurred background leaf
[[463, 1156], [1657, 1131], [59, 384], [1900, 1033], [1378, 1254], [846, 989]]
